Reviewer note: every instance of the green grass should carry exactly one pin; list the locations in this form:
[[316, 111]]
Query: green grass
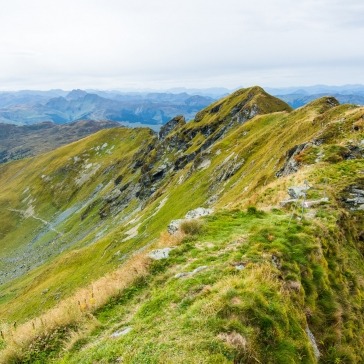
[[200, 319]]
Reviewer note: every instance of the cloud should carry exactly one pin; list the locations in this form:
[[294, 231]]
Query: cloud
[[111, 43]]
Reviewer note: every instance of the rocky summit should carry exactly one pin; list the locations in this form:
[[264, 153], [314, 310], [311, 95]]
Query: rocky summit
[[236, 237]]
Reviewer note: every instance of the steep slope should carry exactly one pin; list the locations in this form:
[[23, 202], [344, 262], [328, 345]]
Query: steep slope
[[242, 287], [18, 142]]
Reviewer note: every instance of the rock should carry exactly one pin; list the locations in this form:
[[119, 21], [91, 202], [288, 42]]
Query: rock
[[276, 262], [291, 165], [313, 342], [288, 202], [354, 197], [212, 199], [196, 213], [190, 274], [239, 267], [121, 332], [204, 164], [294, 286], [180, 275], [160, 254], [313, 203], [177, 121], [298, 191], [113, 195], [174, 225]]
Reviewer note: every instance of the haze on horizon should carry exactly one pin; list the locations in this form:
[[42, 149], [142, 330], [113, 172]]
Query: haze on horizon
[[115, 44]]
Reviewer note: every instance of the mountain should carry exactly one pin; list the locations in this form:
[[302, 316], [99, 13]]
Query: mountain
[[319, 89], [17, 142], [234, 238], [300, 96], [300, 99], [147, 109]]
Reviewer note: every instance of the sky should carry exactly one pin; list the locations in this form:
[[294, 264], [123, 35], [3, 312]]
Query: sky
[[160, 44]]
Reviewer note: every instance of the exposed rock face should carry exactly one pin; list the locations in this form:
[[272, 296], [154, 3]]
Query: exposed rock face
[[354, 197], [291, 165], [173, 124]]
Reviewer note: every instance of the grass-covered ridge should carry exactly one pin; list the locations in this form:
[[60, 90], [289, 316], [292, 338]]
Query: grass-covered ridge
[[262, 281], [92, 210]]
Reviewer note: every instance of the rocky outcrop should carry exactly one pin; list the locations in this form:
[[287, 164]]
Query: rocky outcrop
[[173, 124], [353, 197], [291, 165]]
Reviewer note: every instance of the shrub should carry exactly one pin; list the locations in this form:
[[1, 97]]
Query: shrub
[[191, 227]]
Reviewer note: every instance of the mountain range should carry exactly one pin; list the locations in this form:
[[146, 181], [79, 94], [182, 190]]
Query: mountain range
[[142, 108], [236, 237], [25, 108]]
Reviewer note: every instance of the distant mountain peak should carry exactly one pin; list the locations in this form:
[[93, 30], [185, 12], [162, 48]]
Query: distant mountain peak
[[76, 94]]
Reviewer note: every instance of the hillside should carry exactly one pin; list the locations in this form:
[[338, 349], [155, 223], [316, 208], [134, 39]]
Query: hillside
[[17, 142], [234, 238]]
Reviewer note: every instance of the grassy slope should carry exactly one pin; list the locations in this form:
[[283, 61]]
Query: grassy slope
[[262, 143]]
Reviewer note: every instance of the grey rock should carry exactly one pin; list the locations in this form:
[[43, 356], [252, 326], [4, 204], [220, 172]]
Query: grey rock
[[288, 202], [298, 191], [358, 192], [121, 332], [313, 203], [276, 262], [190, 274], [291, 165], [312, 339], [212, 200], [160, 253], [174, 226], [196, 213], [180, 275], [177, 121], [354, 198]]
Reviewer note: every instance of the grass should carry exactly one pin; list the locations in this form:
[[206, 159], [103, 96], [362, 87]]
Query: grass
[[290, 280]]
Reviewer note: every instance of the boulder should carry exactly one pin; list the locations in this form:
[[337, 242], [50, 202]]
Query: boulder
[[174, 225], [199, 212], [160, 254], [298, 191]]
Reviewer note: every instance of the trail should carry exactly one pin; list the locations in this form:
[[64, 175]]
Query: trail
[[27, 213]]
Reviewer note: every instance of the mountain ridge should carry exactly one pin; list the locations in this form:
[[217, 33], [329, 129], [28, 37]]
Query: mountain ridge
[[265, 276]]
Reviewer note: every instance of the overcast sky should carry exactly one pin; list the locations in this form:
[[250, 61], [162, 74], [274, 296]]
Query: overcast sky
[[108, 44]]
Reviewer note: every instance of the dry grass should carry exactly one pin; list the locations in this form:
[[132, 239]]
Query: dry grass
[[78, 309], [191, 227]]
